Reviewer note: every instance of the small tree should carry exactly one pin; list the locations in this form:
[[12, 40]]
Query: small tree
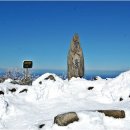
[[14, 73]]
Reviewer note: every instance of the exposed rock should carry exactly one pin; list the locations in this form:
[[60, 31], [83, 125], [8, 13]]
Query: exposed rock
[[129, 96], [26, 81], [2, 79], [1, 93], [40, 126], [14, 82], [113, 113], [90, 88], [66, 118], [96, 78], [75, 60], [121, 99], [51, 77], [23, 81], [12, 90], [40, 82], [24, 90]]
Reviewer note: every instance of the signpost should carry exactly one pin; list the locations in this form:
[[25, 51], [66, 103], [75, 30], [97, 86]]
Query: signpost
[[26, 65]]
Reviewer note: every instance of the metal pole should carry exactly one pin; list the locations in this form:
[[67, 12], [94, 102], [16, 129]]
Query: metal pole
[[26, 73]]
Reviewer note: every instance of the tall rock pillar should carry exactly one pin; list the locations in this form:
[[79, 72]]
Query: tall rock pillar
[[75, 60]]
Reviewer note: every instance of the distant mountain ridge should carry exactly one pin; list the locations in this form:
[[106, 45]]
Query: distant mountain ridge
[[90, 74]]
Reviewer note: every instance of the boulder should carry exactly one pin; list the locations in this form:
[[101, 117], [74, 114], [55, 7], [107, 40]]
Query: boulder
[[66, 118], [113, 113], [51, 77]]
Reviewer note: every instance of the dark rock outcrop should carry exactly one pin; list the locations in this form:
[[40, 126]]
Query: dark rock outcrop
[[113, 113], [2, 79], [14, 82], [51, 77], [66, 118], [41, 126], [96, 78], [1, 93], [25, 81], [12, 90], [24, 90], [90, 88], [40, 82], [121, 99]]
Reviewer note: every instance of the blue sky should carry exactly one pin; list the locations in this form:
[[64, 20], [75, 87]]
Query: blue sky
[[42, 32]]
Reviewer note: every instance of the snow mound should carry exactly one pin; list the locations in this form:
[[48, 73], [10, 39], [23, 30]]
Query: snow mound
[[3, 107], [45, 89], [124, 77], [118, 87], [8, 80], [45, 99], [87, 121], [42, 78]]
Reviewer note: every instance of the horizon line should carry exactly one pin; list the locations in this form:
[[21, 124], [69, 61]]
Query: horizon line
[[54, 69]]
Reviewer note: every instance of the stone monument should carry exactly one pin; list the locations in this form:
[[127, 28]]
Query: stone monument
[[75, 60]]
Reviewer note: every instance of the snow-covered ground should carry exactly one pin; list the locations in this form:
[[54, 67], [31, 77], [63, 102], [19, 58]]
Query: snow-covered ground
[[44, 101]]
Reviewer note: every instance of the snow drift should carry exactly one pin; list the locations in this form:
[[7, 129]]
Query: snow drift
[[47, 98]]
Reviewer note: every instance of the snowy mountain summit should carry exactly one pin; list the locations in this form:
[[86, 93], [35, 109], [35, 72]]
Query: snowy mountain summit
[[35, 107]]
